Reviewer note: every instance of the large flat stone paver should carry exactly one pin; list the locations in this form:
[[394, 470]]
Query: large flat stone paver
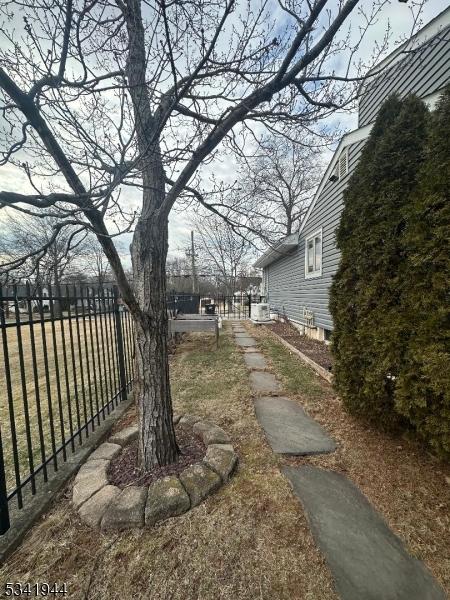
[[367, 560], [264, 383], [289, 429], [255, 360], [245, 342]]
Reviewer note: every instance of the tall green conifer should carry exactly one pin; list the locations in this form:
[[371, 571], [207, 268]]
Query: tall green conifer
[[365, 296], [423, 385]]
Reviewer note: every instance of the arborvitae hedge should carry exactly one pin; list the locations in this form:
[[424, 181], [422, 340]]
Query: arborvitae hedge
[[350, 292], [422, 392], [389, 299]]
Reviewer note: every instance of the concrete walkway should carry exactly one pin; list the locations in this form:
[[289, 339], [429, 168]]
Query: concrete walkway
[[367, 560]]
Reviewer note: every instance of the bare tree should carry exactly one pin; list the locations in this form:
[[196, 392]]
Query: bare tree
[[179, 274], [106, 99], [26, 235], [96, 264], [278, 183], [221, 251]]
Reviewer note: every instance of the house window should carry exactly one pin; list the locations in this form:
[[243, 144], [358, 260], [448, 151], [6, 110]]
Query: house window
[[313, 255]]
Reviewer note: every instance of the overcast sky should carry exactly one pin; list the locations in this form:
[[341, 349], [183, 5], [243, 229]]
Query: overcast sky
[[399, 17]]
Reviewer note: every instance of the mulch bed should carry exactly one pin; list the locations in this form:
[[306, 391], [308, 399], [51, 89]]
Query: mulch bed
[[124, 472], [319, 352]]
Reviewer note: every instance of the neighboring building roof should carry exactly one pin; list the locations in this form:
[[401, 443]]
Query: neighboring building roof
[[283, 247], [288, 243], [347, 140]]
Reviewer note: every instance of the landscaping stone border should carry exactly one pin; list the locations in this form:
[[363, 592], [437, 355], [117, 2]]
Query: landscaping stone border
[[110, 508], [309, 361]]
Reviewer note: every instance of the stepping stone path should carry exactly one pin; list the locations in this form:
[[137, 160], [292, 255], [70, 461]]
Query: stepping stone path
[[367, 560], [290, 430], [245, 342], [264, 383], [255, 360]]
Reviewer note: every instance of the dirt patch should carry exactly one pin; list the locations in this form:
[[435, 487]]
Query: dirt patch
[[124, 472], [319, 352]]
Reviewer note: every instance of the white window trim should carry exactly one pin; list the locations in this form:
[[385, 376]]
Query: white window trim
[[313, 235]]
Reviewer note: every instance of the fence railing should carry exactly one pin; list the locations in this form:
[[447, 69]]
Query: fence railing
[[236, 306], [67, 358]]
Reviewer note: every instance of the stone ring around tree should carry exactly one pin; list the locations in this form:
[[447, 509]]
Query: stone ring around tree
[[101, 504]]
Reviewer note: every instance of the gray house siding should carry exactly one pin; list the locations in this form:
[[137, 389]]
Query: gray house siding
[[288, 290], [423, 72]]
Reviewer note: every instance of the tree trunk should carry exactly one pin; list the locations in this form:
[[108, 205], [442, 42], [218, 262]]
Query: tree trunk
[[157, 443]]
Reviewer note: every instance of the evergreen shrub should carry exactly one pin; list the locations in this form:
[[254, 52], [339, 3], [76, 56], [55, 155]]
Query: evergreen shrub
[[390, 296]]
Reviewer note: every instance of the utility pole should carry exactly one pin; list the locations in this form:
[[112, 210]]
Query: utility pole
[[194, 269]]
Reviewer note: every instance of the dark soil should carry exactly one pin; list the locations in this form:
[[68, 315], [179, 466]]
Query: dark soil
[[123, 469], [319, 352]]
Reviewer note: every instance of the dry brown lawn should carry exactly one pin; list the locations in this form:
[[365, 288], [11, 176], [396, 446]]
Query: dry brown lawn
[[251, 539], [409, 487], [81, 391], [248, 541]]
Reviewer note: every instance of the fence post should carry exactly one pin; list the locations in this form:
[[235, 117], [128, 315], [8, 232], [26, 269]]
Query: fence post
[[249, 296], [120, 347], [4, 509]]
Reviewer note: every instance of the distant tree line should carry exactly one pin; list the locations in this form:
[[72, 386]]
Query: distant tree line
[[43, 257]]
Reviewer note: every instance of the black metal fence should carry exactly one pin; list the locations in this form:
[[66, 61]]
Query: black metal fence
[[185, 303], [67, 355], [236, 306]]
